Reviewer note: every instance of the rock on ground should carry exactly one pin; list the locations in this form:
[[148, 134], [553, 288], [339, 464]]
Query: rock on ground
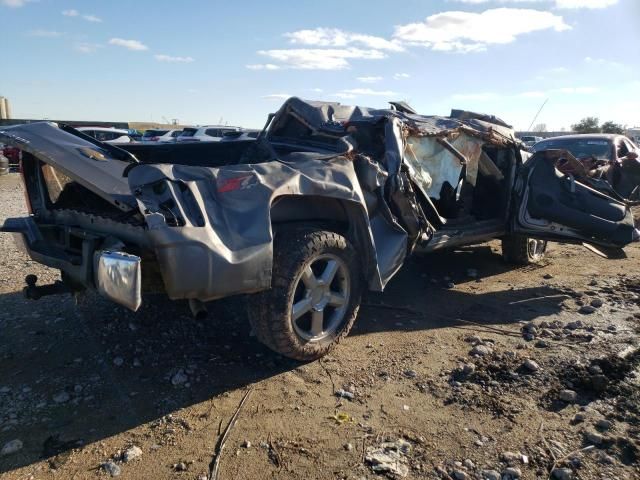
[[531, 365], [111, 468], [490, 475], [480, 350], [131, 453], [568, 396], [389, 458], [61, 397], [562, 473], [511, 473], [11, 447], [179, 378]]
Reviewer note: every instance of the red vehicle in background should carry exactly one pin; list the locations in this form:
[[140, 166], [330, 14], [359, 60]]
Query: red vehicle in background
[[13, 154]]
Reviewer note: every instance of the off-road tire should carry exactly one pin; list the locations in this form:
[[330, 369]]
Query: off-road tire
[[294, 248], [516, 250]]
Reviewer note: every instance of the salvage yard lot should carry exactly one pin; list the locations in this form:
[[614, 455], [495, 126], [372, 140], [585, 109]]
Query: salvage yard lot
[[80, 385]]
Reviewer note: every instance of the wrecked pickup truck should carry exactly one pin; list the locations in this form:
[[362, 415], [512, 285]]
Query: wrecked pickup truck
[[327, 201]]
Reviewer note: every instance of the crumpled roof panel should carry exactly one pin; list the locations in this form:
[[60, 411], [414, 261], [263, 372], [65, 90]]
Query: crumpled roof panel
[[322, 114]]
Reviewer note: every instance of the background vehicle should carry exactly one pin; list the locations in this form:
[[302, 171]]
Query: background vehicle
[[135, 135], [330, 202], [12, 154], [530, 140], [109, 135], [4, 164], [239, 135], [212, 133], [609, 157], [161, 135]]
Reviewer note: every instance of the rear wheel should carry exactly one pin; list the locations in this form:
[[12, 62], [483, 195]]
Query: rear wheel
[[314, 297], [521, 250]]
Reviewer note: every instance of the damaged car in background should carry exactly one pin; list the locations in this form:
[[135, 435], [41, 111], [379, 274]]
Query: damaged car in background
[[328, 201], [4, 164], [607, 162]]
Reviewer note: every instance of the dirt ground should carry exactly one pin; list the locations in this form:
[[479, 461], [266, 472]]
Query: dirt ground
[[465, 368]]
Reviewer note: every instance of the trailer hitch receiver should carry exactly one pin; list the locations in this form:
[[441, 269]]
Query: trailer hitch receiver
[[36, 292]]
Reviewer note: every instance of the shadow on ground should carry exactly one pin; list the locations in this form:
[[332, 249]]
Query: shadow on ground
[[422, 292], [75, 375]]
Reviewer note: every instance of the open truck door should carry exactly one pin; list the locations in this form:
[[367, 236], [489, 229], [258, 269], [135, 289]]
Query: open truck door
[[553, 206]]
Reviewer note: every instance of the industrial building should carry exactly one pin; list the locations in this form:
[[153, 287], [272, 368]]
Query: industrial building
[[5, 108]]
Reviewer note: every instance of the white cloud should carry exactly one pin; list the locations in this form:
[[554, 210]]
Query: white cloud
[[45, 33], [457, 31], [452, 31], [576, 90], [320, 58], [84, 47], [602, 62], [331, 49], [533, 94], [568, 4], [401, 76], [334, 37], [344, 96], [371, 79], [585, 3], [75, 13], [277, 96], [15, 3], [171, 59], [317, 90], [92, 18], [263, 66], [478, 2], [128, 44], [353, 92]]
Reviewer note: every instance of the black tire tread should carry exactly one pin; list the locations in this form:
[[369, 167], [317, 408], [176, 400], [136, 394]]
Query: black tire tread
[[268, 310], [515, 250]]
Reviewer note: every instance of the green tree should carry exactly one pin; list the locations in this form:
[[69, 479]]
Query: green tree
[[587, 125], [610, 127]]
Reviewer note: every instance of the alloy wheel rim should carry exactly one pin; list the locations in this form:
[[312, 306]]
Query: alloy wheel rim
[[536, 247], [321, 298]]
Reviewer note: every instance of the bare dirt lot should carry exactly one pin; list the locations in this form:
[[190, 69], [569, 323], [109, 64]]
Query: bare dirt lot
[[464, 368]]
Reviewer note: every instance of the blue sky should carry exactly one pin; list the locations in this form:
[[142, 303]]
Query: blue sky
[[203, 62]]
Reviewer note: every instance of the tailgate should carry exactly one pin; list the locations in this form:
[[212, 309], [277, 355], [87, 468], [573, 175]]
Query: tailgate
[[95, 166]]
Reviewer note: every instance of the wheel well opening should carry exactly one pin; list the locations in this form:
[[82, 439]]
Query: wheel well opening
[[312, 210], [327, 214]]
